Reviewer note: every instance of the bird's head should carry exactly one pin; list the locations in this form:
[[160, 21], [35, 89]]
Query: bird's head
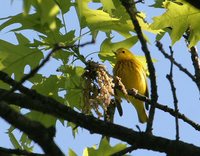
[[123, 54]]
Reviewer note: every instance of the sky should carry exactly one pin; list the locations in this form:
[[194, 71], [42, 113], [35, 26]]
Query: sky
[[164, 124]]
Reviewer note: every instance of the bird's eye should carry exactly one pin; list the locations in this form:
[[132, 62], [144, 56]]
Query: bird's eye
[[123, 51]]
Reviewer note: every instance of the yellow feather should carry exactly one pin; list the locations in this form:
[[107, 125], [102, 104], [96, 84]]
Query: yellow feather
[[132, 75]]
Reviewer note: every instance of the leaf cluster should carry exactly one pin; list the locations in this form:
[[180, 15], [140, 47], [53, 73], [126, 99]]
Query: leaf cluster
[[45, 20]]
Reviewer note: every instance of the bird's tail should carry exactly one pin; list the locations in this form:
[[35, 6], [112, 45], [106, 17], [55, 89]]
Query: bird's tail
[[139, 105]]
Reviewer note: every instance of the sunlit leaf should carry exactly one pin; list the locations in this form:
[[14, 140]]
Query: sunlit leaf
[[104, 149], [99, 20], [108, 6], [30, 21], [71, 153], [179, 17]]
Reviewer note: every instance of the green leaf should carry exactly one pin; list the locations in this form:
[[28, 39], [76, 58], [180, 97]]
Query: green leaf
[[74, 98], [4, 85], [26, 22], [32, 22], [49, 86], [27, 6], [26, 143], [179, 18], [37, 78], [107, 48], [158, 4], [14, 58], [64, 5], [73, 127], [74, 85], [63, 55], [71, 153], [53, 38], [108, 6], [116, 19], [104, 149], [160, 36], [13, 140], [46, 120], [95, 19], [22, 40], [74, 78], [48, 11]]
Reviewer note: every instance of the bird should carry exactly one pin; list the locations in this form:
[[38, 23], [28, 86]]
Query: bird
[[133, 75]]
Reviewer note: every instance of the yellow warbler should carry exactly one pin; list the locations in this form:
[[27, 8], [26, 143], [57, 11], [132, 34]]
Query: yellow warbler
[[133, 75]]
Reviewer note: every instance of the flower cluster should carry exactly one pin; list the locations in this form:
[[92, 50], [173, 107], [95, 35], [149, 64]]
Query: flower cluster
[[98, 89]]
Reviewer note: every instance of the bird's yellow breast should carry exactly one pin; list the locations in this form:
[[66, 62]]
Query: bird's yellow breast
[[132, 75]]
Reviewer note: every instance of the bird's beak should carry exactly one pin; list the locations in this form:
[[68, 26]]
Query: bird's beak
[[114, 52]]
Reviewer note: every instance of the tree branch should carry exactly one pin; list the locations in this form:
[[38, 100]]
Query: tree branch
[[194, 57], [42, 105], [130, 6], [35, 130], [94, 125], [10, 152], [125, 151], [42, 99], [196, 64], [141, 140]]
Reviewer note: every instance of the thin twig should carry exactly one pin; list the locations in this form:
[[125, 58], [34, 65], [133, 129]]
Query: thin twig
[[181, 68], [18, 152], [131, 9], [164, 108], [173, 89]]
